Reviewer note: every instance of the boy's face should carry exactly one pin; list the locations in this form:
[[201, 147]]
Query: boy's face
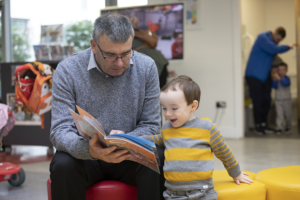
[[175, 108], [282, 71]]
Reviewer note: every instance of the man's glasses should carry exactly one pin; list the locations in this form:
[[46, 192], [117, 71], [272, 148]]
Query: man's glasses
[[114, 58]]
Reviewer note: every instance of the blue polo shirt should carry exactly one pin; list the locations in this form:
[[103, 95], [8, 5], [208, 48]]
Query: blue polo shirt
[[261, 56]]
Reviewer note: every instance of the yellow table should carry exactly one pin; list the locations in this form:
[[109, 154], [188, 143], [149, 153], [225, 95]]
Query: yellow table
[[228, 190], [281, 183]]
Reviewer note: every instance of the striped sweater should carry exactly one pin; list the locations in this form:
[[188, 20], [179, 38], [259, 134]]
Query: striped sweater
[[189, 154]]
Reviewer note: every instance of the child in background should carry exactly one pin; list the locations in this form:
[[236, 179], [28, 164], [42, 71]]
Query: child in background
[[283, 103], [177, 46], [190, 143]]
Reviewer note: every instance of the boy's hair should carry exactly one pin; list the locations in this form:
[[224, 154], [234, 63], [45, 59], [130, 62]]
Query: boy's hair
[[191, 90], [281, 31], [177, 32], [283, 64]]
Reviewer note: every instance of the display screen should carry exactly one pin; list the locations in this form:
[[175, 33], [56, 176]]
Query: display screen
[[165, 20]]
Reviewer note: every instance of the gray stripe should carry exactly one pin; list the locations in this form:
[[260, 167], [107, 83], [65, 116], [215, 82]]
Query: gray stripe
[[192, 166], [215, 135], [189, 185], [186, 143], [221, 149], [224, 153], [218, 140], [195, 123], [234, 171]]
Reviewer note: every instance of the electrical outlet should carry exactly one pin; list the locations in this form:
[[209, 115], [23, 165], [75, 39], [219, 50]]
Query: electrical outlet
[[221, 104]]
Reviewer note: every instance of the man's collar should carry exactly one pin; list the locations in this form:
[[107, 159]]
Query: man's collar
[[93, 63]]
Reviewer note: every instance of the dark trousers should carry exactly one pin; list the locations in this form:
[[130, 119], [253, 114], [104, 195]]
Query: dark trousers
[[260, 94], [71, 177]]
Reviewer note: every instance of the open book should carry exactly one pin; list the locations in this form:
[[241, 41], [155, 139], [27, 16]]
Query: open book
[[141, 150]]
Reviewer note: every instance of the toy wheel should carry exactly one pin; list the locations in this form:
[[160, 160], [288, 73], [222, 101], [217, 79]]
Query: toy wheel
[[18, 178]]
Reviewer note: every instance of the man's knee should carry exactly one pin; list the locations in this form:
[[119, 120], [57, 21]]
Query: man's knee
[[63, 164]]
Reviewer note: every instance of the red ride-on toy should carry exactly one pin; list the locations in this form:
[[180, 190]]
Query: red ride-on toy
[[12, 173]]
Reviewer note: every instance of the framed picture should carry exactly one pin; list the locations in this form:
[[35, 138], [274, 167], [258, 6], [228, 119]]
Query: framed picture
[[41, 52], [52, 34], [23, 115]]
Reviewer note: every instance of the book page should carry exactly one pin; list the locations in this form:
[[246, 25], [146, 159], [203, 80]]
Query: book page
[[94, 123], [138, 153], [84, 113], [86, 129], [83, 129]]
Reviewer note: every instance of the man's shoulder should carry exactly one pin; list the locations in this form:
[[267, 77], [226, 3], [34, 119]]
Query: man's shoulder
[[265, 35], [76, 60], [142, 61]]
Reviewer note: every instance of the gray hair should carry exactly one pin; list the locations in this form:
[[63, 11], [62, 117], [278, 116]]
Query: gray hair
[[117, 28]]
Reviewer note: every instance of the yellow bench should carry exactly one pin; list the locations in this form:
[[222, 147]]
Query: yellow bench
[[281, 183], [228, 190]]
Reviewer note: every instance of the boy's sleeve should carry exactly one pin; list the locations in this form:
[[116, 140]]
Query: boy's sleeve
[[223, 152], [275, 85], [285, 81], [157, 139]]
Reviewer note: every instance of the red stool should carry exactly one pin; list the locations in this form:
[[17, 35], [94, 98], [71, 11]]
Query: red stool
[[107, 190]]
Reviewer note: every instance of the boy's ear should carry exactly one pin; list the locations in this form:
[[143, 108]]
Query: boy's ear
[[195, 105]]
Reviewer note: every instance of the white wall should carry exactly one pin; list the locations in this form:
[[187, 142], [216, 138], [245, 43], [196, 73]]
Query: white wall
[[213, 60]]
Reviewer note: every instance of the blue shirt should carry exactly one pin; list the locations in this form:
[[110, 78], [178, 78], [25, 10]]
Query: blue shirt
[[261, 56]]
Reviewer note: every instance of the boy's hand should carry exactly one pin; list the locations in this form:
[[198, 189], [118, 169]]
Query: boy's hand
[[116, 132], [243, 179]]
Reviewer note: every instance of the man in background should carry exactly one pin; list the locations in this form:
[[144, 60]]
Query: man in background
[[258, 74]]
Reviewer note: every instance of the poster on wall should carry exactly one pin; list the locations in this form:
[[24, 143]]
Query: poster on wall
[[23, 115], [52, 34], [192, 14]]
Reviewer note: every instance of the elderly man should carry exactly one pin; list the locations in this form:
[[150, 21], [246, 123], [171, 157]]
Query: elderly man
[[120, 88]]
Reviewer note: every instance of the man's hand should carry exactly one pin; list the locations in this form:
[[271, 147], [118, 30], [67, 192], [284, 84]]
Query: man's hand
[[276, 77], [243, 179], [116, 132], [293, 45], [106, 154]]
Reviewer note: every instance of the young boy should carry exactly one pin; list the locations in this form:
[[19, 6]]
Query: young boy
[[283, 103], [190, 143]]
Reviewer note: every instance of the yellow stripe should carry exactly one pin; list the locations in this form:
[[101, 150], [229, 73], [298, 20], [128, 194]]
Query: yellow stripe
[[229, 162], [219, 147], [157, 140], [187, 176], [232, 165], [215, 138], [218, 143], [153, 139], [214, 133], [188, 154], [217, 153], [227, 158], [225, 154], [193, 133], [206, 119], [213, 127]]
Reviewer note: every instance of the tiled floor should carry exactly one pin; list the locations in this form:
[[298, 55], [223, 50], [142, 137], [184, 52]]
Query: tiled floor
[[253, 153]]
